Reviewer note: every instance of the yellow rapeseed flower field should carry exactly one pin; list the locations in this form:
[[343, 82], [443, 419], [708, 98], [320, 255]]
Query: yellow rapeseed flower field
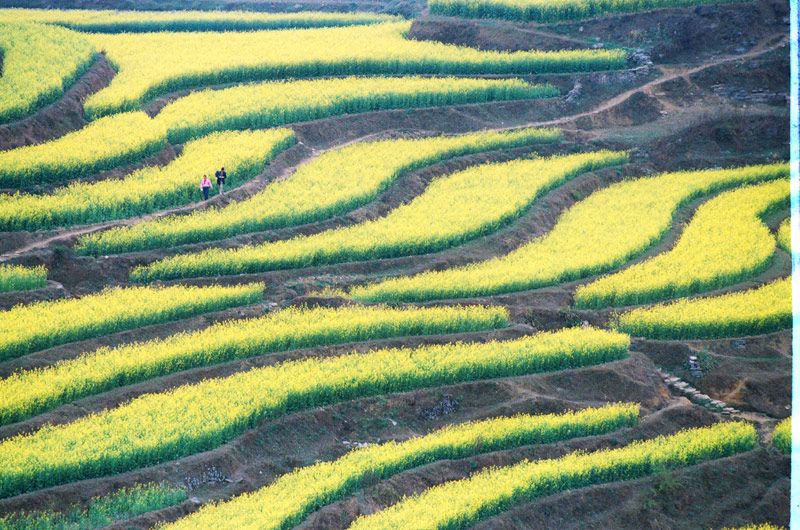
[[26, 393], [724, 243], [158, 427], [333, 183], [290, 498], [782, 437], [28, 328], [18, 278], [552, 10], [453, 209], [103, 144], [462, 503], [39, 63], [597, 234], [243, 154], [762, 310], [150, 64], [109, 21]]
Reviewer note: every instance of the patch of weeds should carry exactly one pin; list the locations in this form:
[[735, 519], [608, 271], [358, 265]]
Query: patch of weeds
[[569, 316]]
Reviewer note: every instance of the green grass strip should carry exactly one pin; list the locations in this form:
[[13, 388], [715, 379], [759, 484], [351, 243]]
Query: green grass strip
[[462, 503], [294, 496], [194, 418], [762, 310], [19, 278], [243, 154], [28, 328], [100, 511], [553, 10], [596, 235], [27, 393], [453, 209], [39, 63], [725, 242], [334, 183]]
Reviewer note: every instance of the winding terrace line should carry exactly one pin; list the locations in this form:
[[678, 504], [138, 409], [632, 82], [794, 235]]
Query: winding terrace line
[[670, 73]]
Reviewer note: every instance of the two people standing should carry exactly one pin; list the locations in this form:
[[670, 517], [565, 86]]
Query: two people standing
[[205, 184]]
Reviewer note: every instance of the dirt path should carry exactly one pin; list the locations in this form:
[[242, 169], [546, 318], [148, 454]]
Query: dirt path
[[669, 73]]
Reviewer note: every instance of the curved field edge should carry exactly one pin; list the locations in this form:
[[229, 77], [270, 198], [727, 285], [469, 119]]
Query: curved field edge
[[26, 393], [582, 243], [28, 328], [752, 312], [452, 210], [462, 503], [39, 63], [295, 495], [334, 183], [156, 428]]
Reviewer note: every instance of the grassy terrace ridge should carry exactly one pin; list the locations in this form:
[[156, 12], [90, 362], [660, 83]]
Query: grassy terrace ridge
[[123, 504], [295, 495], [19, 278], [103, 144], [724, 243], [28, 328], [553, 10], [453, 209], [635, 215], [39, 63], [190, 419], [462, 503], [333, 183], [752, 312], [243, 153], [153, 64], [114, 21], [26, 393]]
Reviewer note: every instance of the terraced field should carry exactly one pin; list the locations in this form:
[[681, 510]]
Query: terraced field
[[506, 264]]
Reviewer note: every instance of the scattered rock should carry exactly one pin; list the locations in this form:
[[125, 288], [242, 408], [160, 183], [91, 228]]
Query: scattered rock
[[447, 405]]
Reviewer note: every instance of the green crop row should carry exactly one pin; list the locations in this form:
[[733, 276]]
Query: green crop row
[[552, 10], [724, 243], [28, 328], [128, 137], [453, 209], [598, 234], [39, 63], [243, 154], [19, 278], [152, 64], [295, 495], [462, 503], [123, 504], [762, 310], [333, 183], [107, 21], [782, 437], [159, 427], [104, 144], [27, 393]]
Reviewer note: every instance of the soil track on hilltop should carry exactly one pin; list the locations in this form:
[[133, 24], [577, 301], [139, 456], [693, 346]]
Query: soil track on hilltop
[[714, 98]]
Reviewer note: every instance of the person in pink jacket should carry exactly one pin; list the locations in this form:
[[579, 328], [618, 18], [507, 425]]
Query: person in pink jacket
[[205, 186]]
